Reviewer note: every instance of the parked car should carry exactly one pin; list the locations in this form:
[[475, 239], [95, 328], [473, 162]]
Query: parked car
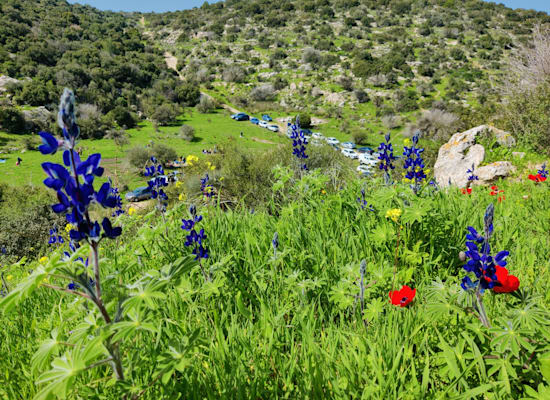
[[316, 142], [366, 150], [333, 141], [306, 131], [255, 121], [139, 194], [364, 169], [317, 135], [241, 117], [307, 138], [273, 128], [348, 145], [267, 118], [350, 153], [262, 124]]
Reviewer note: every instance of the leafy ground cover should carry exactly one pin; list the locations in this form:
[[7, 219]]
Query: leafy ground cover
[[287, 322]]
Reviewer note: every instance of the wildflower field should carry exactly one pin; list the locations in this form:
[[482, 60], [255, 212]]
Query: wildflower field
[[375, 289]]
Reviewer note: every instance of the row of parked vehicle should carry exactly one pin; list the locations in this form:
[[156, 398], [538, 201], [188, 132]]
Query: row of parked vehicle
[[367, 157], [263, 123]]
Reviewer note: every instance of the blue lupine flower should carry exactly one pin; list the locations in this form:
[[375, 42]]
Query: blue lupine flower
[[386, 157], [194, 239], [206, 188], [75, 196], [156, 183], [118, 201], [471, 176], [364, 204], [275, 243], [480, 262], [55, 238], [414, 164], [299, 142], [543, 171]]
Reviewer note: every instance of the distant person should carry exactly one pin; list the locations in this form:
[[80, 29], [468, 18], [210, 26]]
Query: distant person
[[18, 162], [242, 135]]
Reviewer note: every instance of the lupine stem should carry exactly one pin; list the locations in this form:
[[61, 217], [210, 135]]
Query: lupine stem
[[481, 309], [395, 259]]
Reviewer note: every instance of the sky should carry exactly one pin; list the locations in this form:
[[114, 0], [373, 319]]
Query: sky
[[173, 5]]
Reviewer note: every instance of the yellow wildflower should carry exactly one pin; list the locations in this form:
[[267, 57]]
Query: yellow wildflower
[[394, 214], [9, 277], [179, 184], [407, 142], [131, 211], [43, 260], [181, 197], [69, 227], [323, 191]]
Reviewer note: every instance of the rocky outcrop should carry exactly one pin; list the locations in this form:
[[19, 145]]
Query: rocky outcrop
[[37, 118], [461, 152], [6, 81]]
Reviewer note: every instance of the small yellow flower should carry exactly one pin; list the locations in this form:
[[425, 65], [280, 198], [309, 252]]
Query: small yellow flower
[[181, 197], [406, 180], [131, 211], [427, 171], [43, 260], [179, 184], [394, 214], [323, 191], [9, 277], [407, 142], [69, 227]]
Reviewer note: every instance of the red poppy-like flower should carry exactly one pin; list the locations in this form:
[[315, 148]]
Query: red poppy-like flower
[[537, 178], [467, 191], [508, 283], [402, 297]]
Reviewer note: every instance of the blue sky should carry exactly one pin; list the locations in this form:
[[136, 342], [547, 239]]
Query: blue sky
[[173, 5]]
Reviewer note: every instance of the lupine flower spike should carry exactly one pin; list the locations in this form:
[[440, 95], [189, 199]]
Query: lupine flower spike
[[156, 183], [364, 204], [541, 176], [489, 271], [299, 143], [414, 164], [207, 189], [196, 240], [386, 157]]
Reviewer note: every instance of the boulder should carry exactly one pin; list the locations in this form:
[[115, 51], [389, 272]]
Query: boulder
[[489, 173], [37, 118], [461, 152], [5, 81]]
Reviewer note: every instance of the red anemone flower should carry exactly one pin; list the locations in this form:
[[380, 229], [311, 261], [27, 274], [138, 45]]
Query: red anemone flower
[[467, 191], [508, 283], [402, 297], [537, 178]]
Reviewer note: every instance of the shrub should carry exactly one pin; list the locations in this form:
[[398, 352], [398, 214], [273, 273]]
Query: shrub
[[122, 117], [391, 121], [312, 56], [138, 156], [346, 82], [437, 124], [206, 105], [187, 132], [165, 114], [305, 120], [234, 73], [188, 94], [164, 153], [361, 96], [263, 93], [11, 120], [359, 136]]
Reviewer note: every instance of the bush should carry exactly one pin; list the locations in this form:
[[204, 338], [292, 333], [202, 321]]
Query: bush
[[26, 218], [188, 94], [91, 123], [164, 153], [187, 132], [263, 93], [122, 117], [360, 137], [305, 120], [206, 105], [234, 73], [361, 96], [165, 114], [436, 124], [312, 56], [138, 156], [11, 120]]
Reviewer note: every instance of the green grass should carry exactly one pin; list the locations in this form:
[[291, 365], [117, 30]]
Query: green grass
[[286, 326], [210, 130]]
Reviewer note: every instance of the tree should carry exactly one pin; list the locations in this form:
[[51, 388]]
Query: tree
[[188, 94], [11, 120], [164, 114], [122, 117]]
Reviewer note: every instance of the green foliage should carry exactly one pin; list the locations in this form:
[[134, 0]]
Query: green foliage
[[12, 120]]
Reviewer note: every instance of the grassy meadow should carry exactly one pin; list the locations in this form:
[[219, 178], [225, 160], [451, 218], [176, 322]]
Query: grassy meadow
[[288, 324]]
